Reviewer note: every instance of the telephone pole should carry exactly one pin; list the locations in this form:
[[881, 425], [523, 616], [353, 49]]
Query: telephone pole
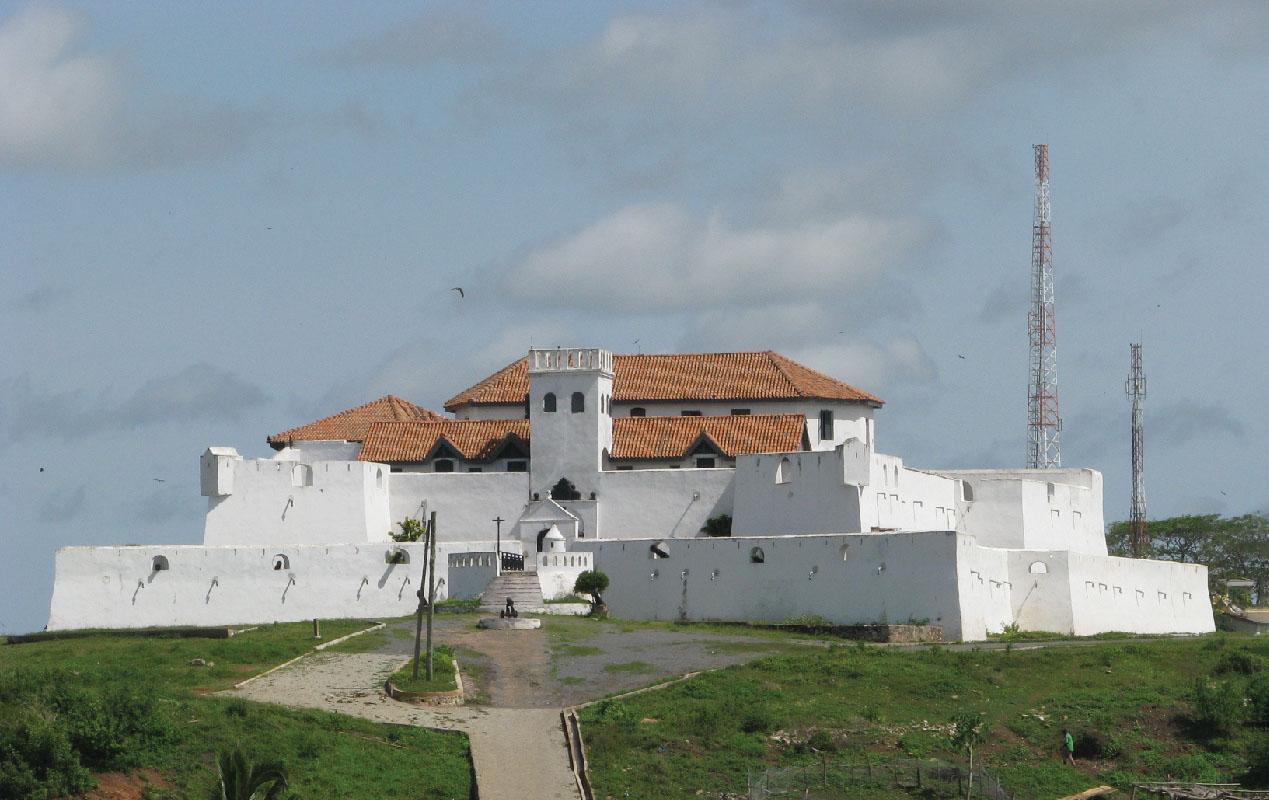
[[1136, 389]]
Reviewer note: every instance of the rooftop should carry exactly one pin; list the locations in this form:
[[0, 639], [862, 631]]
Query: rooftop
[[352, 425], [683, 376]]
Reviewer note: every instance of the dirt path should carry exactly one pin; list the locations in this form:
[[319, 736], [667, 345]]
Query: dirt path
[[517, 753]]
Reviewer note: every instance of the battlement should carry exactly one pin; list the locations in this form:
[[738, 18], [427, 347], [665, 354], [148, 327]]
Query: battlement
[[570, 359]]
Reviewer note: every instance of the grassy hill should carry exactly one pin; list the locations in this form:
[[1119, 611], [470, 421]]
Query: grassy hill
[[77, 708], [1185, 709]]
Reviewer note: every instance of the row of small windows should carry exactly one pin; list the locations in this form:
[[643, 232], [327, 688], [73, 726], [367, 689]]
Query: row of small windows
[[447, 465]]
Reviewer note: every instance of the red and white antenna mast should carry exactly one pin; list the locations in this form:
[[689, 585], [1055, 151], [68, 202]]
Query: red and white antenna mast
[[1043, 422]]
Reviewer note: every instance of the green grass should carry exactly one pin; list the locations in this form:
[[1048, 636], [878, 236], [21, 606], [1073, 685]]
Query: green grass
[[139, 703], [887, 704], [442, 673]]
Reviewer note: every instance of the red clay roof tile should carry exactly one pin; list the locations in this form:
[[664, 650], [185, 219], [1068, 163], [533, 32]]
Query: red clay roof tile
[[673, 437], [351, 425], [475, 440], [683, 376]]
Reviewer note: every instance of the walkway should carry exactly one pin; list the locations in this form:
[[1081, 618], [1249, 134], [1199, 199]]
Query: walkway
[[517, 753]]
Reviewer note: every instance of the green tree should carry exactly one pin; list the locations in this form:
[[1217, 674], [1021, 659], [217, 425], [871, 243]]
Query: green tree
[[411, 530], [592, 582], [1232, 547], [241, 780], [968, 729], [719, 525]]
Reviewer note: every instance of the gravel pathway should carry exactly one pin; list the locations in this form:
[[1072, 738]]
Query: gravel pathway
[[518, 753]]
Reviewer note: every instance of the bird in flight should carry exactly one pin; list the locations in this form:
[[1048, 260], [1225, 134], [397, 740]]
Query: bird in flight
[[961, 357], [459, 289], [159, 480]]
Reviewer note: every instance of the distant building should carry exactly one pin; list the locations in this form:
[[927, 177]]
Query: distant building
[[647, 449]]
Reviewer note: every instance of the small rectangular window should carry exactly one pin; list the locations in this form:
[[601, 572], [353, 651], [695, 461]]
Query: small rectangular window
[[517, 466], [740, 412], [475, 469], [689, 413], [704, 463], [624, 467], [442, 465], [826, 424], [394, 469]]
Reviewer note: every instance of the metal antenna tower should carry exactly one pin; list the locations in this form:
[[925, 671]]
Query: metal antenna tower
[[1135, 386], [1043, 422]]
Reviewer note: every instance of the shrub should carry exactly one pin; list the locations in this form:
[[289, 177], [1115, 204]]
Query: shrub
[[1258, 690], [717, 525], [707, 721], [1239, 662], [1257, 776], [1094, 744], [591, 582], [757, 720], [37, 759], [1217, 708]]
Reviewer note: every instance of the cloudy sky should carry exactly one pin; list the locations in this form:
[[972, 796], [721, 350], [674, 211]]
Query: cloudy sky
[[222, 220]]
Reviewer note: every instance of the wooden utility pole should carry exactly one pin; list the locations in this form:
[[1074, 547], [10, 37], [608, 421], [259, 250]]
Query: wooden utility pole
[[423, 599], [431, 589], [498, 520]]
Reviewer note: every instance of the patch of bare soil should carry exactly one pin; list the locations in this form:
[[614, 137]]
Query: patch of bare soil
[[124, 786]]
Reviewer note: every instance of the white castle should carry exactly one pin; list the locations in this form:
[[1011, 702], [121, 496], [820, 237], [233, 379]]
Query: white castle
[[640, 452]]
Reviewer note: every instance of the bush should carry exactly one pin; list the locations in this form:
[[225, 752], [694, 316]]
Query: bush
[[718, 525], [591, 582], [823, 742], [1094, 744], [757, 720], [1258, 690], [708, 721], [37, 759], [1217, 708], [1257, 776], [1239, 662]]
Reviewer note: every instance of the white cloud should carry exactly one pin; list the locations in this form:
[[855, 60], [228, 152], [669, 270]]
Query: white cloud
[[55, 105], [659, 257], [867, 364]]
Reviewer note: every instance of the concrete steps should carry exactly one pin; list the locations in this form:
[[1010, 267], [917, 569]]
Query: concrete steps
[[522, 587]]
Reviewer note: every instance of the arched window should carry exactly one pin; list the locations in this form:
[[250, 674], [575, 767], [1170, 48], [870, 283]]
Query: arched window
[[1038, 568], [638, 411], [281, 562], [159, 563], [756, 556], [579, 402], [302, 475], [784, 472], [548, 402]]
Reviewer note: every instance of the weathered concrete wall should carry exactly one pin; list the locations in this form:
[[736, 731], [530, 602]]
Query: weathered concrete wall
[[1085, 594], [846, 579], [284, 502], [465, 502], [470, 573], [672, 503], [117, 587]]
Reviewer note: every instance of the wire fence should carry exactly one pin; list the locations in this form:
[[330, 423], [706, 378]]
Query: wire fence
[[928, 778]]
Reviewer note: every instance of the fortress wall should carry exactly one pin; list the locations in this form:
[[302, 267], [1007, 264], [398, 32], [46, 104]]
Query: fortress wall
[[117, 587], [465, 502], [661, 503], [844, 578]]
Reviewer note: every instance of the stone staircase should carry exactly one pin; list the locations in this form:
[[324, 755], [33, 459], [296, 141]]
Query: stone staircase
[[522, 587]]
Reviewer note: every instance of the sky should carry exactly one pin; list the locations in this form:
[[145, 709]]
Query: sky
[[222, 220]]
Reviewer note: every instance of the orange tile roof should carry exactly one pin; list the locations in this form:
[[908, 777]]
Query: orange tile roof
[[474, 439], [351, 425], [673, 437], [683, 376]]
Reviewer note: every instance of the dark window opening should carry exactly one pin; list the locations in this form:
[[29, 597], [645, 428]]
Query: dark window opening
[[548, 402], [517, 466], [395, 469], [705, 463], [442, 465], [826, 424], [638, 411], [740, 412], [578, 402], [689, 413], [756, 556], [624, 467], [475, 469]]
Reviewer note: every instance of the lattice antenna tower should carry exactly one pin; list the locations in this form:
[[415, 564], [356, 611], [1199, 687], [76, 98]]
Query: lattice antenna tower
[[1044, 424], [1136, 389]]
